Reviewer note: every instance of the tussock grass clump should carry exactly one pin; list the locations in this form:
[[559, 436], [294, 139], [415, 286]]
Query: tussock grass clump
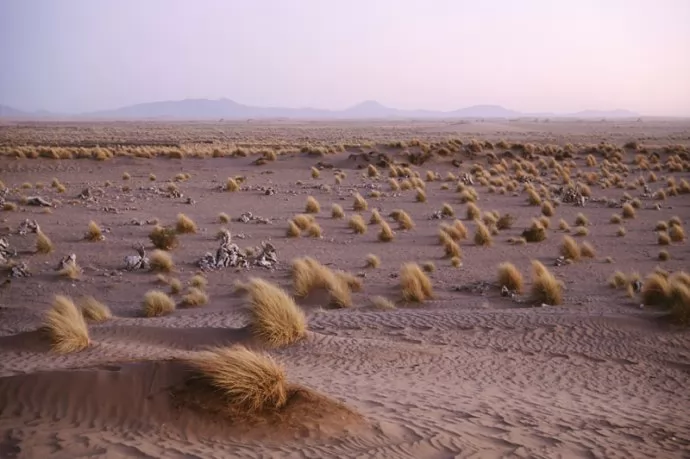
[[569, 249], [65, 326], [545, 222], [533, 197], [315, 173], [450, 247], [628, 211], [482, 235], [126, 176], [381, 302], [94, 310], [505, 222], [71, 271], [587, 250], [185, 224], [675, 221], [231, 185], [386, 234], [535, 233], [428, 266], [157, 303], [616, 219], [303, 221], [510, 277], [421, 195], [656, 290], [9, 207], [360, 204], [621, 232], [309, 275], [94, 232], [372, 261], [393, 184], [375, 218], [175, 286], [676, 233], [473, 212], [357, 224], [161, 261], [563, 225], [663, 238], [198, 281], [447, 210], [547, 209], [403, 219], [337, 211], [456, 262], [618, 280], [163, 238], [664, 255], [195, 297], [545, 287], [415, 284], [581, 231], [661, 226], [43, 243], [372, 172], [314, 230], [223, 217], [293, 230], [248, 381], [312, 206], [581, 220]]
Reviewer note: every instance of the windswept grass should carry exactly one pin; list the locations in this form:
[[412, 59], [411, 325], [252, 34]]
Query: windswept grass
[[415, 284], [510, 276], [65, 326]]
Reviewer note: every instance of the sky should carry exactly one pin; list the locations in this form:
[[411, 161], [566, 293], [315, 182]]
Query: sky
[[75, 56]]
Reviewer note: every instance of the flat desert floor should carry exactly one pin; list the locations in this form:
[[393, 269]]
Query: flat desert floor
[[471, 371]]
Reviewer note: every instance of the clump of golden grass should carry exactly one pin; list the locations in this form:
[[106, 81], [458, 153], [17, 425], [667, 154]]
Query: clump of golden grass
[[195, 297], [293, 230], [421, 195], [357, 224], [415, 284], [656, 290], [302, 220], [563, 225], [381, 302], [533, 197], [359, 203], [126, 176], [545, 287], [618, 280], [587, 250], [161, 261], [372, 171], [393, 184], [569, 249], [312, 206], [94, 310], [450, 247], [385, 233], [314, 230], [375, 217], [547, 209], [505, 221], [403, 219], [163, 238], [65, 326], [308, 275], [675, 221], [248, 381], [185, 224], [676, 233], [456, 262], [71, 271], [581, 220], [275, 318], [43, 243], [315, 173], [621, 231], [473, 212], [157, 303], [447, 210], [616, 219], [663, 238], [581, 231], [372, 261], [337, 211], [94, 232], [545, 222], [510, 277], [628, 211], [535, 233], [661, 226], [198, 281], [175, 286], [223, 217], [9, 207], [231, 185], [152, 177], [482, 235], [664, 255]]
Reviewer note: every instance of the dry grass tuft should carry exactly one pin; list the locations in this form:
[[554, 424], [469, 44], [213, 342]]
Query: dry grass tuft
[[533, 197], [360, 204], [473, 212], [372, 261], [94, 310], [676, 233], [663, 238], [185, 224], [456, 262], [248, 381], [563, 225], [447, 210], [293, 230], [415, 285], [315, 173], [94, 232], [621, 232], [428, 267], [195, 297], [161, 261], [535, 233], [581, 231], [569, 249], [312, 206], [337, 211], [664, 255], [276, 319], [314, 230], [404, 220], [581, 220], [656, 290], [616, 219], [309, 275], [547, 209], [65, 326], [198, 281], [381, 302], [628, 210], [421, 195], [303, 221], [545, 287], [231, 185], [43, 243], [175, 286], [386, 234], [357, 224], [71, 271], [163, 238], [157, 303], [510, 276], [482, 235], [375, 218], [587, 250], [223, 217]]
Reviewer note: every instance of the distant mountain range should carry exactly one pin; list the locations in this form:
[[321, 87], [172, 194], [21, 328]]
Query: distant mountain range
[[207, 109]]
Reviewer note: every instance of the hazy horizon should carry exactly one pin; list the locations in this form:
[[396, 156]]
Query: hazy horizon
[[75, 56]]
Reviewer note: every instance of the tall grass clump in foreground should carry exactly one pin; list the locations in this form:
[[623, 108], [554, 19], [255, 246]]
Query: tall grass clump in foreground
[[157, 303], [414, 283], [94, 310], [510, 277], [545, 287], [66, 327], [275, 318], [248, 381]]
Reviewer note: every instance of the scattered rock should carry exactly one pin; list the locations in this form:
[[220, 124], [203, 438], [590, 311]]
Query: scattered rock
[[20, 270], [28, 226], [70, 259], [37, 201], [247, 217], [139, 261]]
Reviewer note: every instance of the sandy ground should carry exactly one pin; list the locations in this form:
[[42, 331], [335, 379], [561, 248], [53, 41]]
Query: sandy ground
[[468, 374]]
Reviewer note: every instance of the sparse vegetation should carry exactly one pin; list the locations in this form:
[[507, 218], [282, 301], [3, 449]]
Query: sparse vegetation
[[570, 249], [163, 238], [357, 224], [312, 206], [535, 233], [482, 235], [628, 211], [65, 326], [195, 297], [94, 232], [293, 230], [185, 224], [546, 288], [510, 277], [161, 261], [372, 261], [381, 302], [337, 211], [94, 310], [360, 204], [223, 218], [386, 233], [43, 243], [157, 303], [416, 286]]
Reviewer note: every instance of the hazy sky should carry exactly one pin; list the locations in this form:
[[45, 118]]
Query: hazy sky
[[528, 55]]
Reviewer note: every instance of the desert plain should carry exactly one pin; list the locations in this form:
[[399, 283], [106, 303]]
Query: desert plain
[[401, 289]]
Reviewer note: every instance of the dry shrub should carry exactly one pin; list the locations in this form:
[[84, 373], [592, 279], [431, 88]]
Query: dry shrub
[[248, 381], [450, 247], [195, 297], [415, 284], [664, 255], [309, 275], [161, 261], [126, 176], [163, 238], [505, 222], [372, 171], [293, 230], [315, 173], [359, 203], [621, 231], [456, 262], [628, 210], [510, 276], [447, 210], [563, 225], [386, 233], [428, 267], [569, 249], [587, 250], [71, 271], [375, 218], [94, 232], [9, 207], [223, 217], [581, 231], [185, 224], [581, 220], [198, 281], [357, 224], [482, 235], [663, 238], [547, 209], [403, 219], [473, 212], [676, 233], [157, 303], [545, 222], [43, 243], [302, 221], [372, 261], [393, 184], [314, 230], [545, 287], [656, 290], [175, 286], [381, 302], [421, 195], [65, 326], [337, 211], [533, 197], [616, 219], [312, 206], [535, 233], [231, 185], [94, 310]]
